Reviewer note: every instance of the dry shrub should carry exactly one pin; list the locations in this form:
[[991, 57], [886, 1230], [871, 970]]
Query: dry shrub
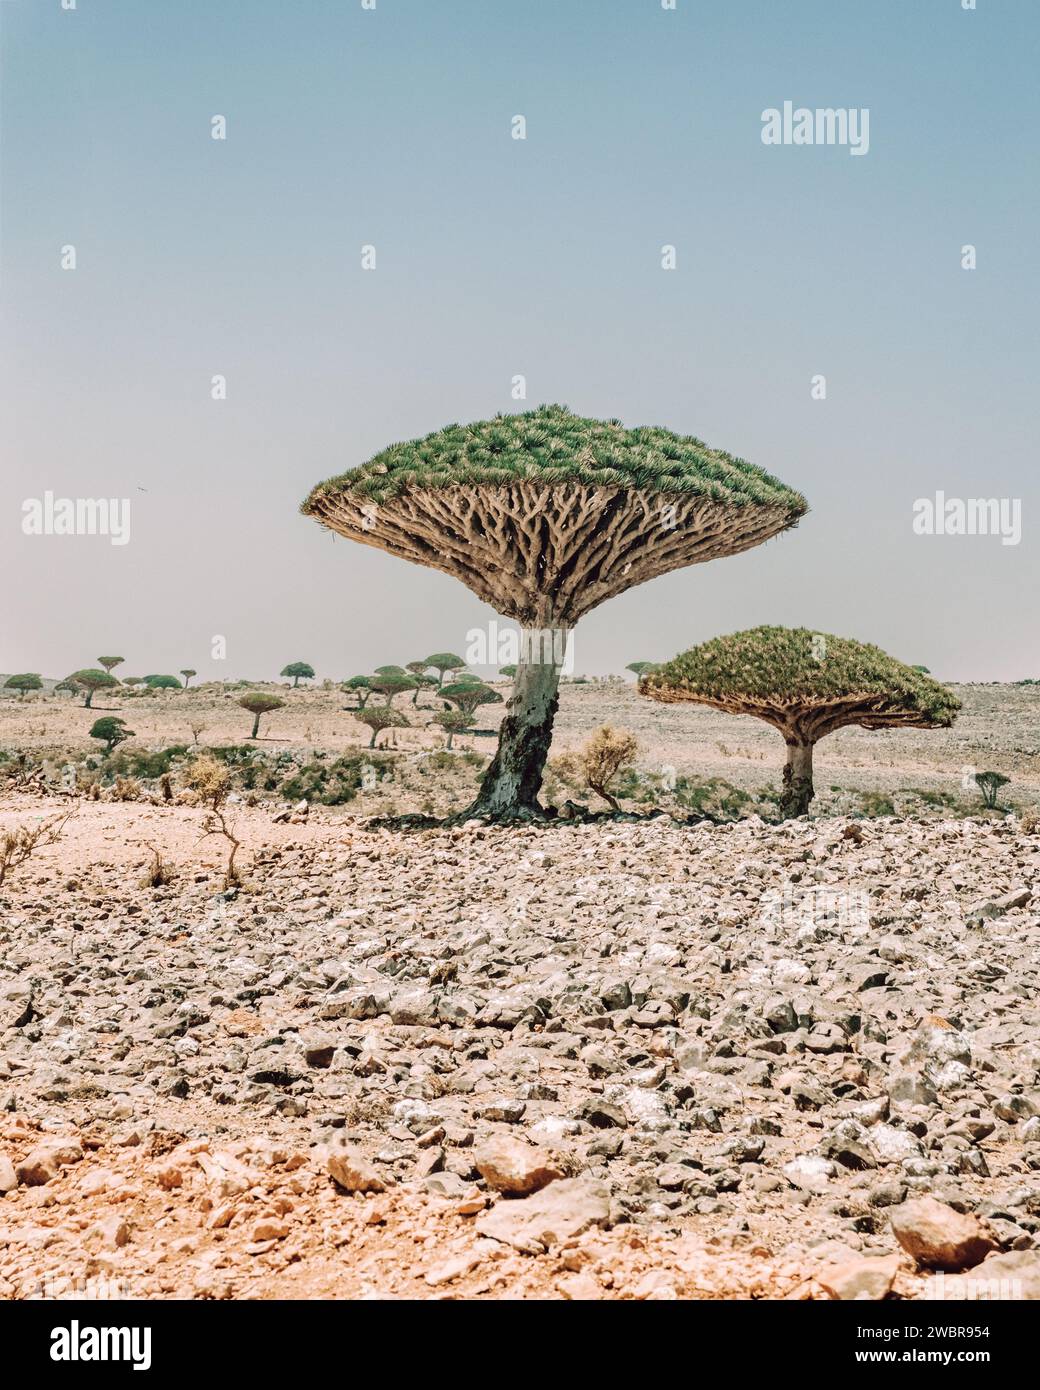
[[608, 752], [157, 874], [1030, 820], [18, 844], [211, 780], [126, 789]]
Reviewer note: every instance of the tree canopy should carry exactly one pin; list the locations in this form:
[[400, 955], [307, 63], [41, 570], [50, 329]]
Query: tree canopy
[[28, 680], [546, 514], [786, 671]]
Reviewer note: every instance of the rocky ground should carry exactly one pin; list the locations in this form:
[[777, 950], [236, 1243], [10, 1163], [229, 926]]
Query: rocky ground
[[625, 1059]]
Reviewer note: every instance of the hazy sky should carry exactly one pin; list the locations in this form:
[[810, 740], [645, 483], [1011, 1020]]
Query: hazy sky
[[496, 257]]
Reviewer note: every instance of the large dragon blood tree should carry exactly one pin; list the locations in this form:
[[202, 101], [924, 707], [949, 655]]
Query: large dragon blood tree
[[544, 516], [807, 685]]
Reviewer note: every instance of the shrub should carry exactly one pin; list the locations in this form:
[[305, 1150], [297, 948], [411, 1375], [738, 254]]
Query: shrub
[[989, 784], [111, 731], [603, 756]]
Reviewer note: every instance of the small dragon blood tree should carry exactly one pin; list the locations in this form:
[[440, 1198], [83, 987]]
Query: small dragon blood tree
[[806, 684], [544, 516]]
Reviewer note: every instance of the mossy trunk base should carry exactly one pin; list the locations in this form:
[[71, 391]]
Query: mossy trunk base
[[511, 784]]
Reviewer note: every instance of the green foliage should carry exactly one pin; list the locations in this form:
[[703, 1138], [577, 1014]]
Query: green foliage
[[469, 695], [380, 718], [552, 445], [390, 671], [509, 671], [989, 784], [335, 783], [640, 668], [260, 702], [110, 730], [108, 662], [444, 661], [875, 804], [28, 680], [298, 671], [92, 679], [162, 683], [923, 670], [713, 797], [392, 685], [776, 664], [145, 763]]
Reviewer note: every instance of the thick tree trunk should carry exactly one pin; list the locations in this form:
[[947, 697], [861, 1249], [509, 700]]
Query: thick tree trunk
[[512, 782], [798, 780], [256, 727], [372, 740], [86, 702]]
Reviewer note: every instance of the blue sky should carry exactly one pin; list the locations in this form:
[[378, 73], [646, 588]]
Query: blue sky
[[496, 257]]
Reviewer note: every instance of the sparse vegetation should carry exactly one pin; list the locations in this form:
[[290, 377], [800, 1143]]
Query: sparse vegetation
[[454, 721], [17, 844]]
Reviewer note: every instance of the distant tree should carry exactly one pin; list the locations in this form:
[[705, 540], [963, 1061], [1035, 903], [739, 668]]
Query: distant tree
[[298, 671], [67, 687], [989, 784], [423, 682], [162, 683], [923, 670], [508, 671], [607, 753], [361, 685], [187, 673], [133, 680], [379, 719], [29, 680], [640, 668], [258, 702], [453, 721], [466, 678], [108, 662], [91, 681], [390, 671], [806, 685], [443, 662], [469, 695], [391, 686], [111, 730]]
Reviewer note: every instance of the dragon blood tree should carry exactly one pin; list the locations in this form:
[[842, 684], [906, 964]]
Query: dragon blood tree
[[544, 516], [806, 684]]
